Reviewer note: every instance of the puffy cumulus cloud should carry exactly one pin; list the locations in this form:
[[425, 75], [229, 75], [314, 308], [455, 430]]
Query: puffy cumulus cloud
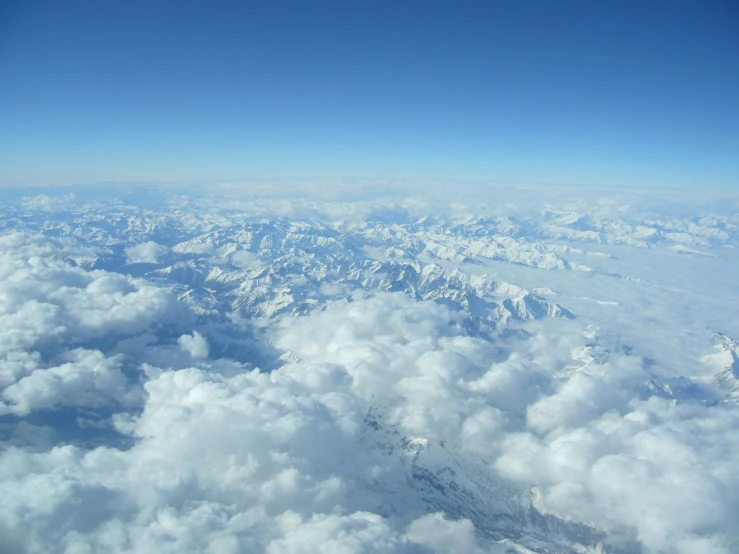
[[146, 252], [252, 462], [56, 322], [244, 258], [43, 298], [600, 447], [588, 394], [196, 345], [660, 470], [33, 246], [364, 532], [225, 458], [454, 537], [414, 359], [357, 533], [411, 357], [86, 378], [227, 461], [216, 461]]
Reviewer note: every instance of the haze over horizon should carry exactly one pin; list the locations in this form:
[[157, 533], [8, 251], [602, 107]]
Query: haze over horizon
[[628, 93]]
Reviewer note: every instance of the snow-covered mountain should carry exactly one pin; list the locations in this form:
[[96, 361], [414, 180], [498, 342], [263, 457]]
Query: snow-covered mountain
[[235, 372], [726, 361]]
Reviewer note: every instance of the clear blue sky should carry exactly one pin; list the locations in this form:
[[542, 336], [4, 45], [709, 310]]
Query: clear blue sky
[[598, 91]]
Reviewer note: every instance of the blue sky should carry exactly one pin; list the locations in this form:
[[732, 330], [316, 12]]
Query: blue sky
[[592, 92]]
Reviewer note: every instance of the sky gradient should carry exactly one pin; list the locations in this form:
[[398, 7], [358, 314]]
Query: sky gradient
[[603, 93]]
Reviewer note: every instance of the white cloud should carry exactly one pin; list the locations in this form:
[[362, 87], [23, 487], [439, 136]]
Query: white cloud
[[661, 469], [196, 345], [357, 533], [55, 319], [222, 465], [250, 461], [244, 258], [390, 430], [86, 378], [441, 535], [146, 252], [596, 450]]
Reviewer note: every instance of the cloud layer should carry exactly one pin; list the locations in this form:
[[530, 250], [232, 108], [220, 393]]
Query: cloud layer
[[384, 424], [275, 461]]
